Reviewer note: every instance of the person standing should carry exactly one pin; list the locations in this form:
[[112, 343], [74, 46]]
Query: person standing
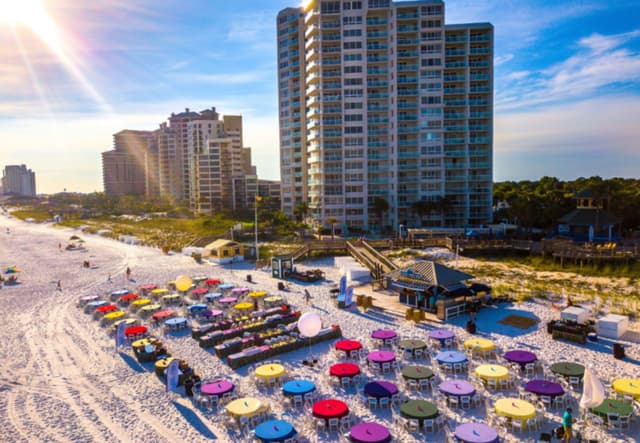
[[307, 296], [59, 286], [188, 387], [128, 273], [567, 424]]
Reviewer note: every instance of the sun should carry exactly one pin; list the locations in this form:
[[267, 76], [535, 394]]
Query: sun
[[25, 12], [33, 15]]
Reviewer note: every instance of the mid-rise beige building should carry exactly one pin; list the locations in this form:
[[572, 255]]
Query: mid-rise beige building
[[18, 180], [131, 167]]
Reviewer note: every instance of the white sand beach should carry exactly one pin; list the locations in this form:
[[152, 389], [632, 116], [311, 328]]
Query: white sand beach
[[63, 380]]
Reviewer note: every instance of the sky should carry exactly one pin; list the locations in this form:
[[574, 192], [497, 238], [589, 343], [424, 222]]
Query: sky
[[73, 72]]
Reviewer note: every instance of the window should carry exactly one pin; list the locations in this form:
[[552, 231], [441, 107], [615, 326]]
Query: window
[[430, 137], [379, 3], [431, 49], [431, 10], [353, 165], [430, 74], [330, 7], [357, 20], [431, 23], [353, 105], [352, 5], [353, 117], [352, 45], [352, 81], [431, 100], [431, 87], [352, 32], [352, 57], [432, 62], [352, 69], [353, 92], [353, 130], [430, 36], [353, 141]]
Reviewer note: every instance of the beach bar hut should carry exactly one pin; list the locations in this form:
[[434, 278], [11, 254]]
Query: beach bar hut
[[428, 285], [224, 251]]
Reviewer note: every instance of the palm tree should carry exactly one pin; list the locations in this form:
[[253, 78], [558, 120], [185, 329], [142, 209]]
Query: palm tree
[[332, 221], [301, 210], [380, 206]]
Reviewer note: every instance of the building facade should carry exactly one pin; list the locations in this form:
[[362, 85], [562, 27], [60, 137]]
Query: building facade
[[386, 114], [131, 167], [18, 180]]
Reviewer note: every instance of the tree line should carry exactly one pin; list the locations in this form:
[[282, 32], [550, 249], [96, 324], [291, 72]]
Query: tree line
[[540, 203]]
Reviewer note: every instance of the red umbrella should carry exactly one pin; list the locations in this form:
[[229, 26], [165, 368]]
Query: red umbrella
[[212, 281], [106, 308], [135, 330], [129, 297]]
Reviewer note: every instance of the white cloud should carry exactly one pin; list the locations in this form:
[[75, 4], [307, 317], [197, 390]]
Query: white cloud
[[518, 75], [600, 61], [502, 59]]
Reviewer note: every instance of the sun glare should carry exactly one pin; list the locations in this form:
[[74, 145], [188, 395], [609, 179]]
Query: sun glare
[[33, 15]]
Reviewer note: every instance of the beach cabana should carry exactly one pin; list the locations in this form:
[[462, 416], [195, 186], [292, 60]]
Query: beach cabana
[[427, 283], [224, 251]]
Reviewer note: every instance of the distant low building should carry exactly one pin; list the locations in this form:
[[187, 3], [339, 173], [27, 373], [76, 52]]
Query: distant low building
[[19, 180], [589, 221]]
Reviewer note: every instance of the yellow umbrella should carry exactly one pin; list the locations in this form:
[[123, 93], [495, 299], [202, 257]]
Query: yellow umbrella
[[243, 306], [114, 315], [257, 294], [141, 302]]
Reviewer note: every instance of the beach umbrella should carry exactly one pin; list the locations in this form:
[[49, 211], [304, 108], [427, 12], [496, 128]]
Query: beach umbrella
[[592, 390], [183, 283]]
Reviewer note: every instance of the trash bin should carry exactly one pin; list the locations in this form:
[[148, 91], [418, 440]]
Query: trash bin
[[416, 315], [618, 351], [408, 315]]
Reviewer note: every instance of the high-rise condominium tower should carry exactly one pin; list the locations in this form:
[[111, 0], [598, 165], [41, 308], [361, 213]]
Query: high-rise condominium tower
[[386, 114]]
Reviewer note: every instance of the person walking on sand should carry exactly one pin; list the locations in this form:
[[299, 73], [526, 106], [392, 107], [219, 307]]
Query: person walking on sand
[[109, 278], [307, 296], [59, 286], [60, 247], [128, 273], [567, 423]]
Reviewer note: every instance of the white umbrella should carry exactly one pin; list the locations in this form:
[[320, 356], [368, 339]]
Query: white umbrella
[[592, 390]]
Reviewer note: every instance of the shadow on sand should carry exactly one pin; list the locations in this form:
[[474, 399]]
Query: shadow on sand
[[193, 419], [488, 322], [132, 362]]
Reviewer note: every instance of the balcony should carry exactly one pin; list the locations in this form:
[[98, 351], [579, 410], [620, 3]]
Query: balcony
[[454, 141], [407, 118], [455, 102], [407, 54], [407, 92], [407, 15], [454, 115], [377, 108], [377, 59], [377, 34], [480, 38], [407, 67], [377, 120], [479, 77], [451, 65], [408, 130], [403, 80], [407, 29], [454, 52], [377, 83], [376, 47], [407, 105], [480, 115], [479, 51], [376, 21], [456, 38], [408, 41]]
